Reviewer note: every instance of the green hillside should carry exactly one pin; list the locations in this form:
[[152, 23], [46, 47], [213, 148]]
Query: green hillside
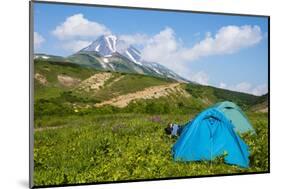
[[125, 83], [261, 104], [214, 94], [50, 71], [53, 88], [57, 98]]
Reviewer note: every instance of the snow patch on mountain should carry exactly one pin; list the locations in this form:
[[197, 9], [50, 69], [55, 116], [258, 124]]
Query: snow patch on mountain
[[103, 65], [157, 71], [97, 48], [111, 66], [105, 60], [131, 57], [111, 41], [41, 56]]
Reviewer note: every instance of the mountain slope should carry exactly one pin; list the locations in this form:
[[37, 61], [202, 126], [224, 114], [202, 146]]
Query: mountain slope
[[108, 53], [61, 88]]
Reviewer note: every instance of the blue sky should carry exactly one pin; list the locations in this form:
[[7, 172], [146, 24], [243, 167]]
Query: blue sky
[[224, 51]]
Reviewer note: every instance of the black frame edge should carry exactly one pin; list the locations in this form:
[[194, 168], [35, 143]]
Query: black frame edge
[[31, 95], [268, 76], [146, 8]]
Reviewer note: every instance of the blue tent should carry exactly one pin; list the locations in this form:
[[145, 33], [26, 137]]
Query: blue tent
[[208, 136], [236, 116]]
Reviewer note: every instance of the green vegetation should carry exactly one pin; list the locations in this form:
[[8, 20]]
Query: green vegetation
[[95, 148], [76, 142], [85, 60], [50, 70], [214, 94]]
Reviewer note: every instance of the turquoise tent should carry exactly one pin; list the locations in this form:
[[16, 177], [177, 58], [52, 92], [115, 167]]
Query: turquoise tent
[[236, 116], [209, 135]]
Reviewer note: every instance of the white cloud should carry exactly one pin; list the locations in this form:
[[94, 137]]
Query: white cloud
[[260, 90], [166, 49], [201, 78], [38, 40], [222, 85], [78, 26], [135, 39], [77, 32], [246, 87], [243, 87], [228, 40], [75, 45], [161, 46]]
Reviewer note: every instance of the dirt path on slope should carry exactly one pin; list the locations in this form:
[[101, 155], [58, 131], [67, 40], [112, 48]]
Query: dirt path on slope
[[67, 80], [115, 80], [148, 93], [41, 79], [94, 82]]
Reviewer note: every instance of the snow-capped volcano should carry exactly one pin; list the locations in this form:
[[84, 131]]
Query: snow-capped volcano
[[107, 45], [104, 45], [110, 53]]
